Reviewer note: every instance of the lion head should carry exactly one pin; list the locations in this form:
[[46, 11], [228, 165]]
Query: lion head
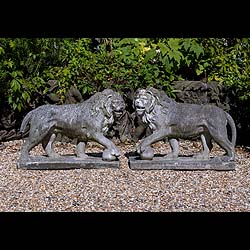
[[114, 104], [144, 101], [150, 102], [110, 104]]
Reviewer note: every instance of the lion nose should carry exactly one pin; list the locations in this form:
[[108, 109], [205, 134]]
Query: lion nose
[[137, 102], [118, 109]]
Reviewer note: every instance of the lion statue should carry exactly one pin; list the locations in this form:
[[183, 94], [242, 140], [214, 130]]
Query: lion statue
[[171, 120], [86, 121]]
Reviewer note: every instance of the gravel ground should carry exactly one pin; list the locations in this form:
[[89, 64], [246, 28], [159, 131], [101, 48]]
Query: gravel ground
[[123, 189]]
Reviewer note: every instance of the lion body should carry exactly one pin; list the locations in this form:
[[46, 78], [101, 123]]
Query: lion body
[[89, 120], [187, 121], [173, 120]]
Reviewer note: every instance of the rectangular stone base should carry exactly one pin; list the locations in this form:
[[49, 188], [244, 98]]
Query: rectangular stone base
[[182, 163], [66, 162]]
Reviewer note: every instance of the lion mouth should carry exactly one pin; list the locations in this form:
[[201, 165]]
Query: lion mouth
[[140, 110]]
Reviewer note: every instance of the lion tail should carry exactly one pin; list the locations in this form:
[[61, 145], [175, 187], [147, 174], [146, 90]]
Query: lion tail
[[233, 128], [25, 122]]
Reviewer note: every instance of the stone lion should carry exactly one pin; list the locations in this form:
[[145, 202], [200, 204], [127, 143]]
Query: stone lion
[[86, 121], [173, 120]]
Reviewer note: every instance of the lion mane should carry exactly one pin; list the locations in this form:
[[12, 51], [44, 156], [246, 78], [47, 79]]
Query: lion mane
[[158, 102], [101, 106]]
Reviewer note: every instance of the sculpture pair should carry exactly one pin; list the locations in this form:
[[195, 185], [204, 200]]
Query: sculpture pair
[[167, 119]]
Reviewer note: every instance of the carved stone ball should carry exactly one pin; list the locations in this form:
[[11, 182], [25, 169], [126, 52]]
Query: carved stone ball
[[107, 156], [147, 154]]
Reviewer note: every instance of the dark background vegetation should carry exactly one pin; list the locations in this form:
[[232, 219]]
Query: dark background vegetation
[[175, 65]]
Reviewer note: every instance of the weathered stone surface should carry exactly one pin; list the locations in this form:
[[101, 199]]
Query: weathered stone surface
[[86, 121], [66, 162], [172, 120], [159, 162]]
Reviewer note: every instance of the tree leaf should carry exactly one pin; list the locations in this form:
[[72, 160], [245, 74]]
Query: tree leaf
[[176, 55], [163, 48], [174, 43], [186, 44], [198, 72], [149, 55], [197, 49], [167, 64]]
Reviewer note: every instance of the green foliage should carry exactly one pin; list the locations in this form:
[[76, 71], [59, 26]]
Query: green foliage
[[227, 61], [22, 63], [119, 63]]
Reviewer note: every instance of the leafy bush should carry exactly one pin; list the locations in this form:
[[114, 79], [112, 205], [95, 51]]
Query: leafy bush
[[22, 64]]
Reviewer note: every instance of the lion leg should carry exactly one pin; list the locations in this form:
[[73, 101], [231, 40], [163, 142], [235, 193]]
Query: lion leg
[[35, 137], [111, 151], [207, 146], [80, 150], [27, 146], [48, 146], [144, 149], [209, 141], [221, 138], [174, 144]]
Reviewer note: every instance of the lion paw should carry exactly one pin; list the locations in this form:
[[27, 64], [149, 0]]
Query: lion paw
[[110, 155], [147, 154], [115, 152], [140, 149]]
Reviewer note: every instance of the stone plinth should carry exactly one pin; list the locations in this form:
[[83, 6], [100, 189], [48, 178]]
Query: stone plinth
[[66, 162], [159, 162]]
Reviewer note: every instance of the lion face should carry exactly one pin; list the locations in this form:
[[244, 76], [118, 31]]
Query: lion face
[[117, 105], [144, 101], [114, 104]]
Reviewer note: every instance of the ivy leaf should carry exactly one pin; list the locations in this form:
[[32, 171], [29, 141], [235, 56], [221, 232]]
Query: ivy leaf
[[197, 49], [163, 48], [14, 105], [19, 107], [136, 51], [126, 41], [2, 50], [186, 44], [15, 85], [66, 71], [26, 96], [167, 64], [174, 43], [198, 72], [188, 61], [177, 55], [149, 55], [12, 44]]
